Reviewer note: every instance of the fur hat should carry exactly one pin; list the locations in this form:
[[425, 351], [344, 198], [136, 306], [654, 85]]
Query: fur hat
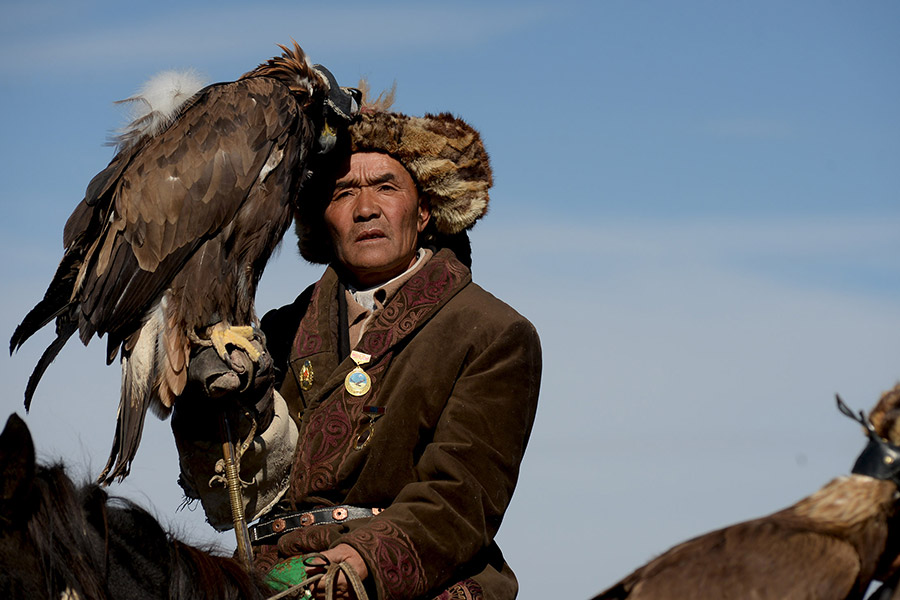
[[443, 154]]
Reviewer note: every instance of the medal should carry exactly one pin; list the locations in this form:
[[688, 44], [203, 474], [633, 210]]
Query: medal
[[306, 376], [357, 382], [366, 436]]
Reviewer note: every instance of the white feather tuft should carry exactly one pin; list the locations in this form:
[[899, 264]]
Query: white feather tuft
[[141, 368], [157, 103]]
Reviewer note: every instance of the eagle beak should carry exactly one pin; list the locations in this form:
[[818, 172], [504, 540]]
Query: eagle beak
[[327, 138]]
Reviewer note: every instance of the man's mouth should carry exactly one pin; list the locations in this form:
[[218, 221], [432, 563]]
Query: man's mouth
[[370, 234]]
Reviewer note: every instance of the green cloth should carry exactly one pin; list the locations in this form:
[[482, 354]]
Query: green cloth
[[287, 574]]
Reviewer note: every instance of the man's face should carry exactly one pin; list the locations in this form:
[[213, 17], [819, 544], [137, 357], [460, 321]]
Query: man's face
[[375, 218]]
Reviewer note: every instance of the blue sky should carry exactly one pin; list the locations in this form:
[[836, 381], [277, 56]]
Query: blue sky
[[696, 203]]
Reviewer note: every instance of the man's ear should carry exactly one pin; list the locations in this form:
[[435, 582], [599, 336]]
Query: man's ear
[[424, 216]]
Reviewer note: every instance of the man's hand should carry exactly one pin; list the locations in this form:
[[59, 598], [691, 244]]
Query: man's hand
[[340, 553], [214, 387]]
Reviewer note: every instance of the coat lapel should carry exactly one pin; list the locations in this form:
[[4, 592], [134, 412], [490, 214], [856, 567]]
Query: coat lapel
[[413, 305]]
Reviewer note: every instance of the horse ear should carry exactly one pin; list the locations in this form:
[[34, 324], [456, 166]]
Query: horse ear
[[16, 462]]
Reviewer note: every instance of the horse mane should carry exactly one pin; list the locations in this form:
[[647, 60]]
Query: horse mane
[[57, 528], [198, 574], [92, 544]]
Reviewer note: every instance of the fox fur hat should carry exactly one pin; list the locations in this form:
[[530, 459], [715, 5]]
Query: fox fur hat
[[444, 155]]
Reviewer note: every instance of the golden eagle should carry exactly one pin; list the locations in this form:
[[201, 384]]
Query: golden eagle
[[168, 245]]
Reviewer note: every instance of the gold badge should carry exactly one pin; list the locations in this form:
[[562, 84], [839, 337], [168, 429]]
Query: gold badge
[[357, 382], [306, 376]]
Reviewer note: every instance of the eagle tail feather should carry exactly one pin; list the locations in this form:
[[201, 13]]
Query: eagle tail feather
[[44, 311], [140, 374], [64, 330], [129, 429]]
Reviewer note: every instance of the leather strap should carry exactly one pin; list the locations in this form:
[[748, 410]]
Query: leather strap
[[329, 577], [270, 528]]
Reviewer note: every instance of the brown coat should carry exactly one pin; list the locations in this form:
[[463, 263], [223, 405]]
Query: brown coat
[[457, 372]]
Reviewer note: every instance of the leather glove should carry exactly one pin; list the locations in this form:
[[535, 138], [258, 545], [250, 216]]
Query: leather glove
[[243, 391]]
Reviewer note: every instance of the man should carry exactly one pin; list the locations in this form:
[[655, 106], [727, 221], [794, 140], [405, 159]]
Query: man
[[406, 393]]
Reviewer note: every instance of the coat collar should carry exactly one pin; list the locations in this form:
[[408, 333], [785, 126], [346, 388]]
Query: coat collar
[[415, 303], [432, 286]]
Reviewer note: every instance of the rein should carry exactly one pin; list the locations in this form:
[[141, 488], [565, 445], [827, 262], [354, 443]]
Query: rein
[[332, 570]]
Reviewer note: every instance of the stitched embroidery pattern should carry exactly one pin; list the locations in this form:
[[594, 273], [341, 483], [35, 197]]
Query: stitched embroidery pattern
[[328, 439], [329, 429], [414, 301], [308, 340], [305, 540], [399, 565], [428, 288], [265, 557], [467, 589]]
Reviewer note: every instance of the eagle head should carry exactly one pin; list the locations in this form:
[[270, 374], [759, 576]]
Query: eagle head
[[329, 105], [340, 108]]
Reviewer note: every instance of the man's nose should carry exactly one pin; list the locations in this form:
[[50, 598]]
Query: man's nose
[[367, 206]]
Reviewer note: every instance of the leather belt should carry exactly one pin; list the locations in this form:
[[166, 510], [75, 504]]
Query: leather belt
[[279, 524]]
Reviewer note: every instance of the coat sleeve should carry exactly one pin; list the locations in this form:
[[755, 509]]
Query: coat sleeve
[[442, 525], [265, 464]]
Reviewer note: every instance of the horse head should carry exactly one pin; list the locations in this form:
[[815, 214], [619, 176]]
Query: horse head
[[16, 469], [49, 543], [62, 540]]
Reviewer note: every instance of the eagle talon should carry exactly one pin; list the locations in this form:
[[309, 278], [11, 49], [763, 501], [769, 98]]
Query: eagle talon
[[222, 335]]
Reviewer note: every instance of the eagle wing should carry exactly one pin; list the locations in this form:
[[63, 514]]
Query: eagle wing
[[757, 559], [173, 235], [180, 190]]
